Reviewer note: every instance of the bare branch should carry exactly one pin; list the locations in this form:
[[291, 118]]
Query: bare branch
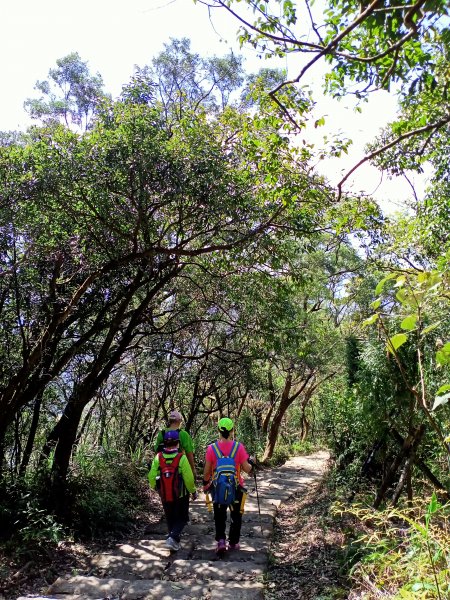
[[433, 127]]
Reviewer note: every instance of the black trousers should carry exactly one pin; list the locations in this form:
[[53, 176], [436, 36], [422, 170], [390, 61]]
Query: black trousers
[[177, 516], [220, 519]]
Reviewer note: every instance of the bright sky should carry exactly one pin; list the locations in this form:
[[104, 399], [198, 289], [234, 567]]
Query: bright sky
[[114, 35]]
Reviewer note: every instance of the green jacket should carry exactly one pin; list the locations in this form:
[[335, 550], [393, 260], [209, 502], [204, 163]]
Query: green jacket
[[184, 468], [186, 443]]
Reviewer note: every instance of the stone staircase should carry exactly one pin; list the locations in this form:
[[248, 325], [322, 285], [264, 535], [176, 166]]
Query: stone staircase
[[146, 570]]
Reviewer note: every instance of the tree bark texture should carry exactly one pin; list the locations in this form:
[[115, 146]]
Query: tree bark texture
[[410, 444]]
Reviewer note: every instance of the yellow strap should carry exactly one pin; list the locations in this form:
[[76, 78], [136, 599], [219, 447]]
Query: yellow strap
[[244, 498], [234, 449]]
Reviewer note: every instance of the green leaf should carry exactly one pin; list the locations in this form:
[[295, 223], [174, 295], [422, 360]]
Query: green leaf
[[370, 321], [434, 504], [443, 357], [319, 122], [401, 296], [417, 526], [422, 277], [400, 281], [380, 285], [396, 341], [376, 303], [443, 388], [440, 400], [431, 327], [409, 322]]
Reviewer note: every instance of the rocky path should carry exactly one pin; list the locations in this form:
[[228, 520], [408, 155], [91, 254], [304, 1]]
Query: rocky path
[[145, 570]]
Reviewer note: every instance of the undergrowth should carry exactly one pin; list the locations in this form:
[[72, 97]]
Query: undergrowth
[[102, 497], [404, 553]]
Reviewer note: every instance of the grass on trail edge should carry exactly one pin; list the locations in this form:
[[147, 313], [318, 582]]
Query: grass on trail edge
[[308, 556]]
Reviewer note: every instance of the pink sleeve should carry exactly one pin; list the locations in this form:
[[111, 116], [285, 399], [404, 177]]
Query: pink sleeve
[[210, 454], [241, 454]]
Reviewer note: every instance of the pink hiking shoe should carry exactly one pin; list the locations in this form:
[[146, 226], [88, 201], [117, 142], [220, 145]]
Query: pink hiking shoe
[[221, 547], [233, 546]]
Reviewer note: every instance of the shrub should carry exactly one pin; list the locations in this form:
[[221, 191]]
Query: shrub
[[404, 553], [248, 434], [106, 496], [27, 526]]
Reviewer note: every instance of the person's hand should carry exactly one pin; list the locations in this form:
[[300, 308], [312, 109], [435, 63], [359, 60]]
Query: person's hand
[[206, 485], [251, 461], [194, 495]]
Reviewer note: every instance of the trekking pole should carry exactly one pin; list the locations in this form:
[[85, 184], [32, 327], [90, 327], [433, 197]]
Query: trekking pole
[[257, 498]]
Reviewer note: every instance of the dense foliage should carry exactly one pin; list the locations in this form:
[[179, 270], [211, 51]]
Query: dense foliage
[[174, 252], [174, 248]]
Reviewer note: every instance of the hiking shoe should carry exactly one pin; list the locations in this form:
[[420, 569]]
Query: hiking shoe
[[173, 544], [221, 547], [233, 546]]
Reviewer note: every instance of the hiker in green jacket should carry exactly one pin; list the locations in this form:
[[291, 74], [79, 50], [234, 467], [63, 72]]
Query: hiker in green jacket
[[172, 476], [186, 443]]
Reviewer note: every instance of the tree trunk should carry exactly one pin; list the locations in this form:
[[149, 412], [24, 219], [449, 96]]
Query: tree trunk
[[31, 435], [242, 404], [272, 401], [305, 428], [67, 434], [62, 439], [272, 435], [423, 467], [410, 444], [266, 421], [285, 403], [403, 480], [17, 453], [85, 425]]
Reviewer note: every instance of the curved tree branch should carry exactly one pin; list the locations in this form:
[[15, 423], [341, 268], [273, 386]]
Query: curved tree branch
[[433, 127]]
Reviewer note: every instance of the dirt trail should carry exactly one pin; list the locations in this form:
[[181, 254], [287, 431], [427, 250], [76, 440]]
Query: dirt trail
[[145, 570]]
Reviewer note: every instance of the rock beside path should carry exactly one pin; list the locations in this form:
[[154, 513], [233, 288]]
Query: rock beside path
[[145, 569]]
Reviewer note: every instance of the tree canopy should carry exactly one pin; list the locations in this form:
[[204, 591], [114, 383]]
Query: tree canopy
[[176, 248]]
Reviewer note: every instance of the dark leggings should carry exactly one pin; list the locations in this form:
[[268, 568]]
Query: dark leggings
[[220, 519], [177, 515]]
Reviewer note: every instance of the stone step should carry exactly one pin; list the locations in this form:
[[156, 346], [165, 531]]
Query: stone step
[[76, 588], [251, 527], [201, 547], [238, 565], [244, 554], [268, 511]]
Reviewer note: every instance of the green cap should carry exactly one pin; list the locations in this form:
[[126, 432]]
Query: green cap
[[225, 423]]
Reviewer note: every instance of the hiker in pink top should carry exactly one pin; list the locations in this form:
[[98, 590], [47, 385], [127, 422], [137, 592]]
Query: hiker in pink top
[[224, 462]]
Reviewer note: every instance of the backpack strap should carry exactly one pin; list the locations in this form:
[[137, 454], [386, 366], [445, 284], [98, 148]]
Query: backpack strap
[[175, 461], [219, 453], [234, 449], [217, 450]]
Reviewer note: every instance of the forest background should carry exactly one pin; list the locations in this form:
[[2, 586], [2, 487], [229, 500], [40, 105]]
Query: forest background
[[179, 246]]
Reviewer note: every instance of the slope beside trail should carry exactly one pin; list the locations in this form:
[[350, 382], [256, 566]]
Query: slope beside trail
[[144, 569]]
